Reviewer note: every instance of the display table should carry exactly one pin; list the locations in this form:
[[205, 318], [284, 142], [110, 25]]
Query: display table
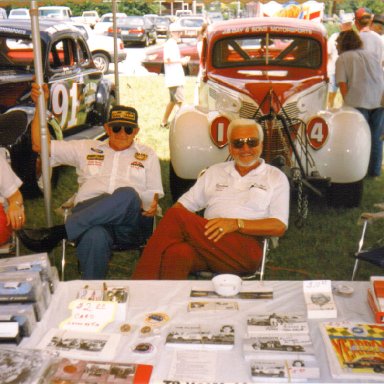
[[172, 297]]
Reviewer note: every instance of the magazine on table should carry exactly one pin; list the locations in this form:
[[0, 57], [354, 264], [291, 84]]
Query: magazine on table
[[22, 366], [81, 345], [277, 323], [70, 371], [284, 370], [202, 336], [354, 350]]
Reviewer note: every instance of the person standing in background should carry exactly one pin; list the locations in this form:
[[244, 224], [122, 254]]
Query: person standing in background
[[361, 80], [372, 42], [346, 23], [173, 72]]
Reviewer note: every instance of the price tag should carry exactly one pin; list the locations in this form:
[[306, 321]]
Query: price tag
[[89, 316]]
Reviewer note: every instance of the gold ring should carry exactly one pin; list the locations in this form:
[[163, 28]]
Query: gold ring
[[221, 229]]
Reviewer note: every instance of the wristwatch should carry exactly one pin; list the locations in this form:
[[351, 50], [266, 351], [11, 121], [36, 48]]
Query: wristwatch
[[240, 224]]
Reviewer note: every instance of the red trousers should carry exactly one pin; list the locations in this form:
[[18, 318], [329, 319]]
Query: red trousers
[[179, 247], [5, 232]]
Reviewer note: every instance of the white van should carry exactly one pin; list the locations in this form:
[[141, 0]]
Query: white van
[[56, 12]]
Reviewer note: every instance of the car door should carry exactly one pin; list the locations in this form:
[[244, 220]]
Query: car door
[[72, 79]]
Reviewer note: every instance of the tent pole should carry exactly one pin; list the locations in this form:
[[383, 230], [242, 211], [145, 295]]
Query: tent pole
[[42, 111], [117, 87]]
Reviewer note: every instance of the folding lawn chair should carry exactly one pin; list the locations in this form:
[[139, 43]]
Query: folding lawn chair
[[373, 255]]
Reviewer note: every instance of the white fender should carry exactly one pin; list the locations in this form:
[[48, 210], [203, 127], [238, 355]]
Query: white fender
[[191, 147], [345, 155]]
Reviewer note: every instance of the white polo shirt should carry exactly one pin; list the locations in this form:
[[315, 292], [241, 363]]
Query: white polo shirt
[[222, 192], [101, 169]]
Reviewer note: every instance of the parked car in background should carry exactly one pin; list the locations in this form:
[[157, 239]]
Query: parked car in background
[[79, 96], [272, 70], [135, 29], [151, 17], [190, 25], [57, 12], [106, 20], [101, 47], [154, 61], [162, 26], [213, 17], [91, 18], [19, 13]]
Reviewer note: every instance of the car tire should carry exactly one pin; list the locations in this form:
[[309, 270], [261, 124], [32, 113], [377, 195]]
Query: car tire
[[347, 195], [101, 61], [177, 184]]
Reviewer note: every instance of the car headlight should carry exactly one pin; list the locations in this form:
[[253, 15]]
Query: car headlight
[[227, 103]]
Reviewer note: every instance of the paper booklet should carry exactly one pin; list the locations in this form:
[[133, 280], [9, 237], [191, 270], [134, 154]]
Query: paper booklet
[[277, 323], [22, 366], [319, 299], [354, 350], [96, 372], [201, 336], [283, 370], [282, 345], [81, 345]]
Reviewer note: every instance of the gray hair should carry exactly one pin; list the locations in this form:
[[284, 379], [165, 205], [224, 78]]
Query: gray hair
[[236, 123]]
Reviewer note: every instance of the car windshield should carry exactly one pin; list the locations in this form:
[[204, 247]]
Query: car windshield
[[132, 22], [191, 23], [16, 53], [160, 21], [274, 50]]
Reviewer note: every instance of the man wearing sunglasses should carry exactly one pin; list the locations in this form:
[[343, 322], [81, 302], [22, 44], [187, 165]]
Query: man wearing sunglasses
[[119, 187], [242, 199]]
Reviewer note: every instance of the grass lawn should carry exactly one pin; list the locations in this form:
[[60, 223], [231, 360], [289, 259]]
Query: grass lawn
[[322, 249]]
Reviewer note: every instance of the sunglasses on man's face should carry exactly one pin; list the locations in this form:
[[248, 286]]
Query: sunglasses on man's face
[[117, 128], [252, 142]]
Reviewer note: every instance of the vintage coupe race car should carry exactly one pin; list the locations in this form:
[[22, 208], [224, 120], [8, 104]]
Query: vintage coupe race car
[[80, 98], [273, 70]]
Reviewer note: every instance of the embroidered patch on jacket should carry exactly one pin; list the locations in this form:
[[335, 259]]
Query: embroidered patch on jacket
[[260, 186], [97, 150], [221, 187], [95, 157], [141, 156], [137, 164]]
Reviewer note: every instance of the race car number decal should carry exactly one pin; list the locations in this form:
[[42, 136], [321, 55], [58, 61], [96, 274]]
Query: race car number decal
[[218, 131], [317, 132], [63, 100]]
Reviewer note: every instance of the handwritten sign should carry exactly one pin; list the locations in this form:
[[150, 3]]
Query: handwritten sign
[[89, 316]]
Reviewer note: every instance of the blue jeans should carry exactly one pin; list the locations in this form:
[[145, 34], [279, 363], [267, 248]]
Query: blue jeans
[[99, 223], [375, 119]]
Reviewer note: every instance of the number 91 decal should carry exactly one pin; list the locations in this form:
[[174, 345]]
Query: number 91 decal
[[317, 132]]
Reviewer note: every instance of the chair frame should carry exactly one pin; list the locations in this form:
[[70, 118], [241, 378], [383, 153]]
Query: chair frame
[[365, 219]]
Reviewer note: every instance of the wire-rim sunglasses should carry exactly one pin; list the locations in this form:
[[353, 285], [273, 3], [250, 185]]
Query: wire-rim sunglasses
[[252, 142]]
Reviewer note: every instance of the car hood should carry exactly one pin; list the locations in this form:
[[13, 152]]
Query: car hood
[[102, 42]]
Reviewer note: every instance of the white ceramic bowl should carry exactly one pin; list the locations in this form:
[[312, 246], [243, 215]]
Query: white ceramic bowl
[[227, 284]]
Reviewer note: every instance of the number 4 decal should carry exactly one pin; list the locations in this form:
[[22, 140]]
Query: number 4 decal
[[317, 132]]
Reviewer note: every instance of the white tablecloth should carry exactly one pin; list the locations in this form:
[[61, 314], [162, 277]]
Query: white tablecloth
[[172, 298]]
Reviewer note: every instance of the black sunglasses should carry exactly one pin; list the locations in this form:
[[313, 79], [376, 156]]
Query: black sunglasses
[[251, 141], [117, 128]]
